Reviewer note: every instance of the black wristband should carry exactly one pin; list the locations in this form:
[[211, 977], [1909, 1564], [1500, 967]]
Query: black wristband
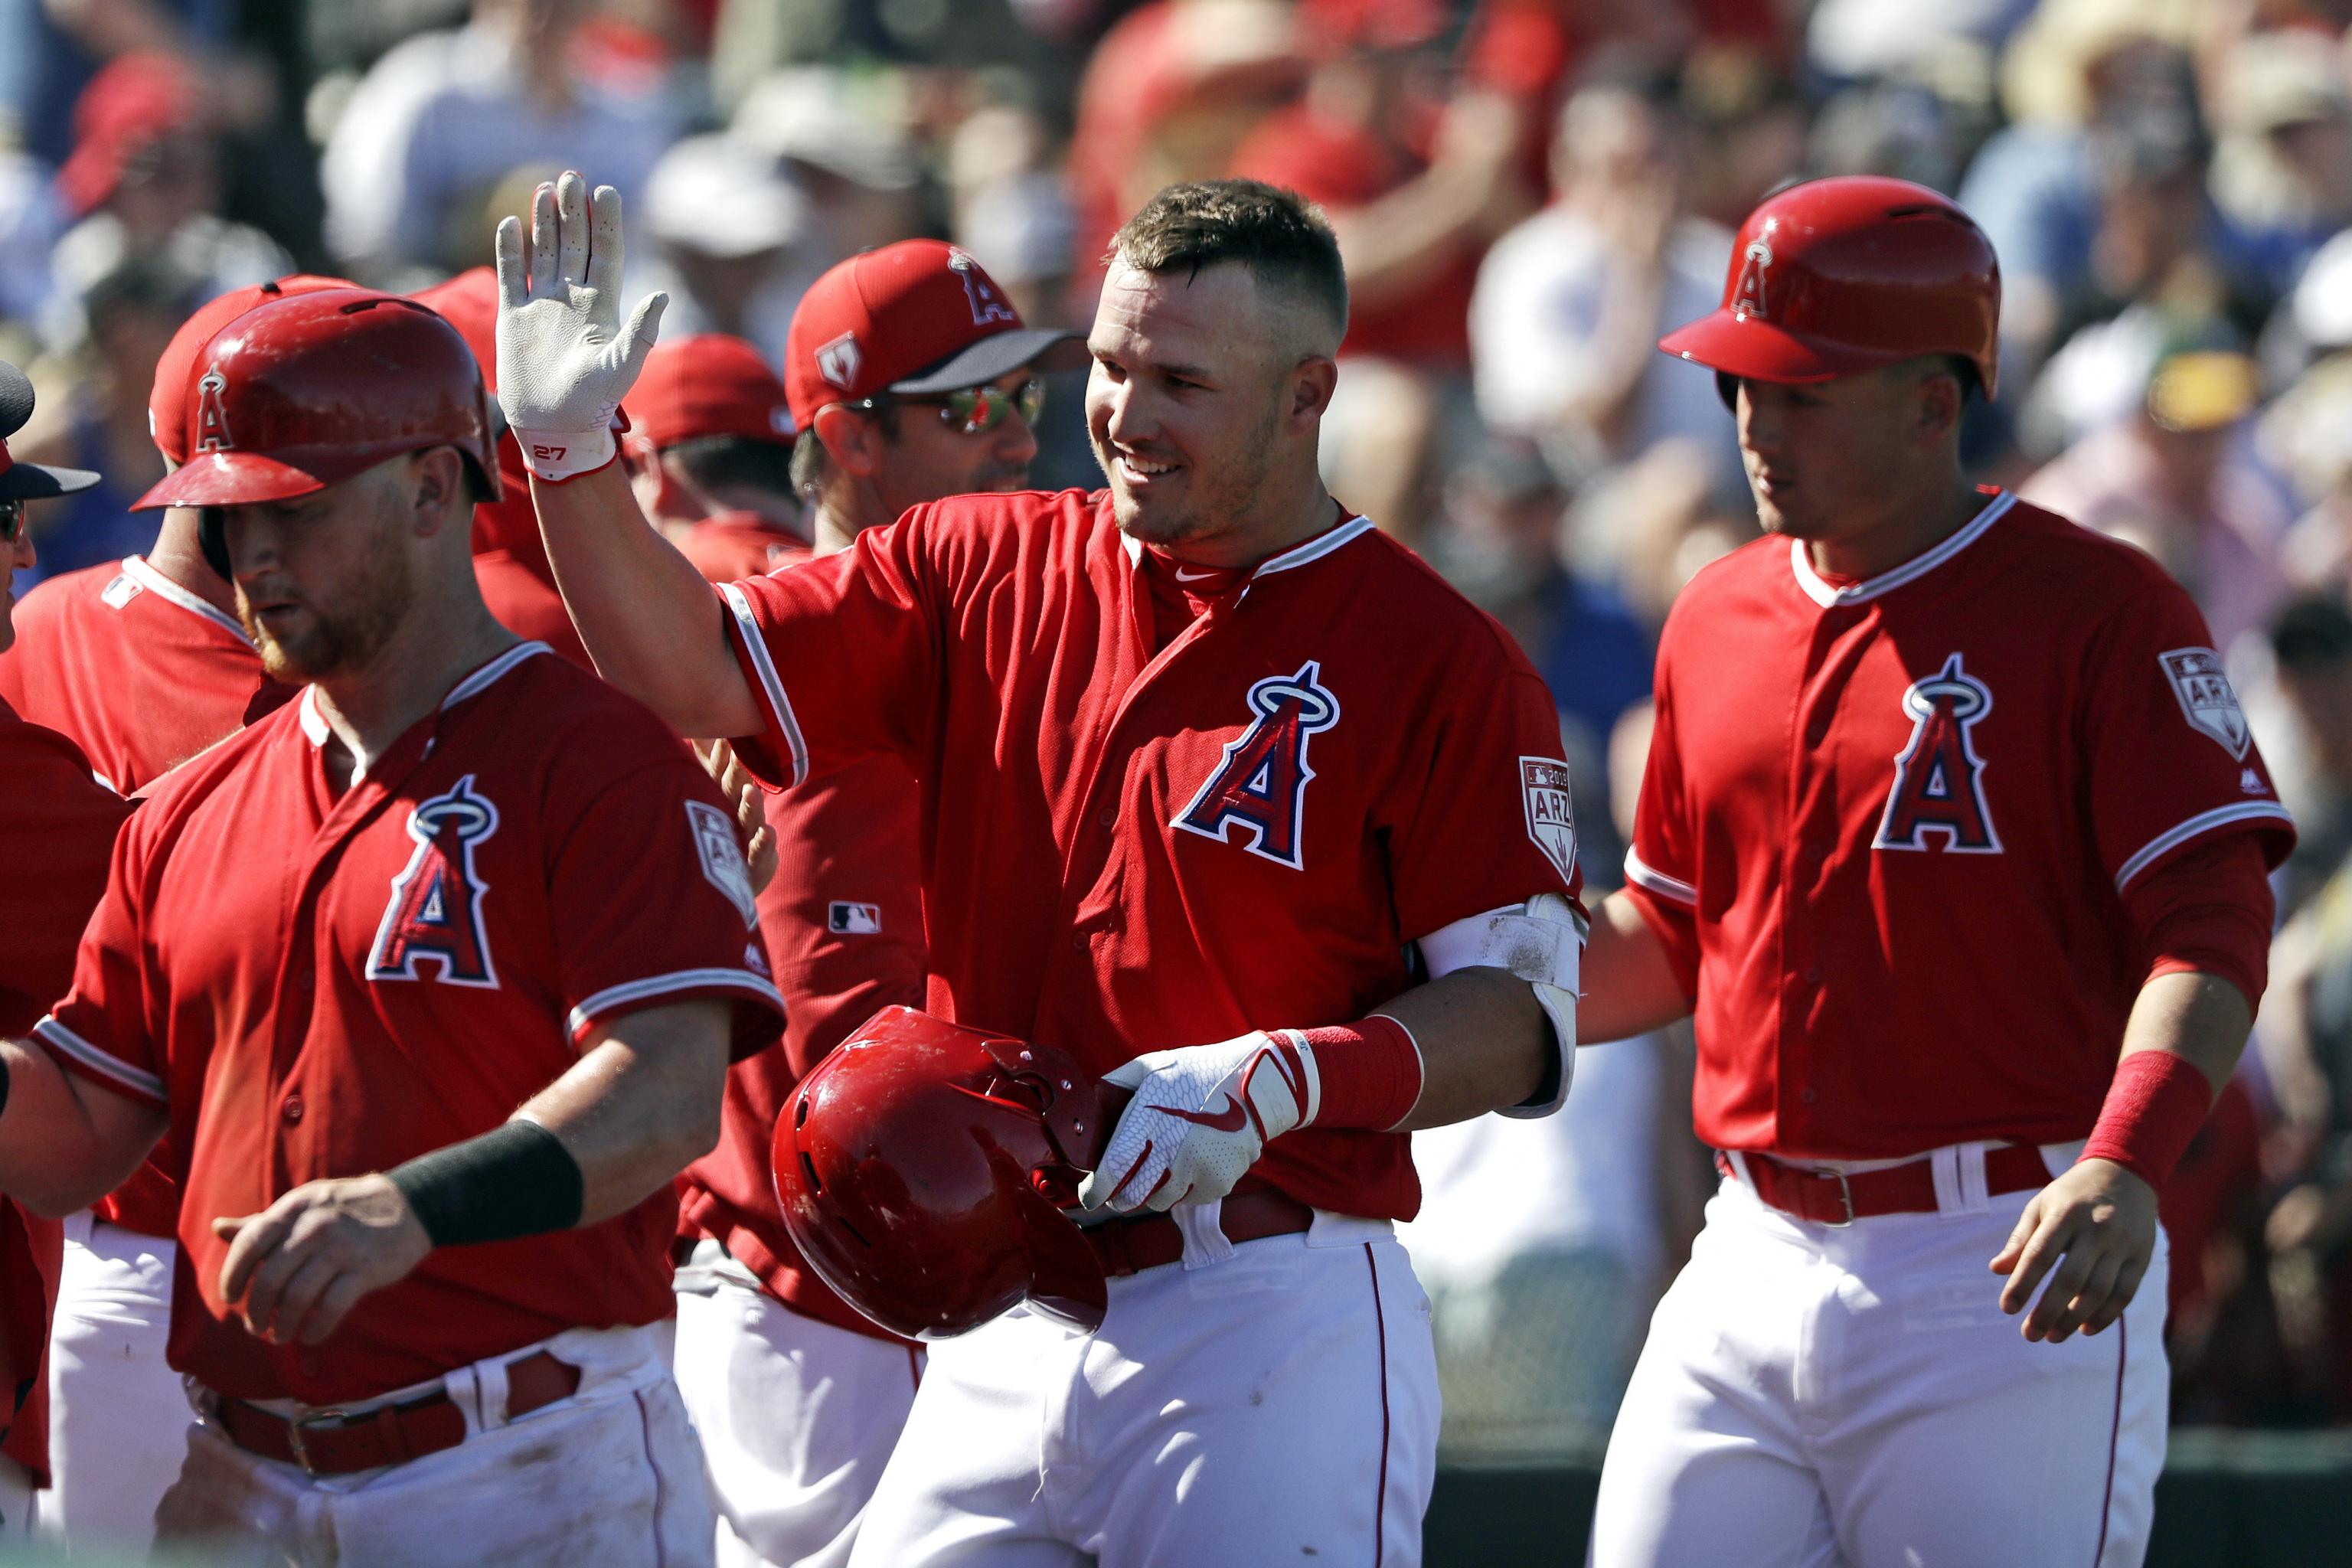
[[517, 1181]]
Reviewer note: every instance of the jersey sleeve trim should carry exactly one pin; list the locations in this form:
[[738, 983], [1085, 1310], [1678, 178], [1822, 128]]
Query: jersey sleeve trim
[[781, 719], [1648, 877], [72, 1051], [635, 993], [2164, 844]]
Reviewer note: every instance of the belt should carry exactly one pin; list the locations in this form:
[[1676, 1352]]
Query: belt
[[1131, 1245], [339, 1442], [1841, 1197]]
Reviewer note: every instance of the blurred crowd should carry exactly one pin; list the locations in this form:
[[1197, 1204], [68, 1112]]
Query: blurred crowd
[[1526, 192]]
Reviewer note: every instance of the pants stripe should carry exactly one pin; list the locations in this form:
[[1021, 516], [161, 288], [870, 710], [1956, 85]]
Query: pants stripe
[[2115, 1432], [1380, 1498]]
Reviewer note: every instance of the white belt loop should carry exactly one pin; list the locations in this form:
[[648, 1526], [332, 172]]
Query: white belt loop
[[1205, 1241], [1959, 1172], [490, 1393], [1740, 1168]]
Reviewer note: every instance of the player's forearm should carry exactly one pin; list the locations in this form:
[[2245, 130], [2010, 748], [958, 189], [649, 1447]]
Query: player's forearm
[[61, 1149], [1484, 1044], [641, 1104], [648, 618], [2200, 1017], [1630, 985]]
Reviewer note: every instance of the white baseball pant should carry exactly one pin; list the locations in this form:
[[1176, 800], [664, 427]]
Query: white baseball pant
[[118, 1415], [1813, 1396], [796, 1417], [609, 1475], [1273, 1402]]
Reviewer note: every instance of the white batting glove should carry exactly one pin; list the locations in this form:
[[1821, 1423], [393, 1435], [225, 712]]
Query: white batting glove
[[1200, 1118], [565, 360]]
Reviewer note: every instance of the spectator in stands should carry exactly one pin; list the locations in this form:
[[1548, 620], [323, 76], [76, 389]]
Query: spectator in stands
[[444, 117], [2282, 170], [1565, 321], [848, 147], [727, 231]]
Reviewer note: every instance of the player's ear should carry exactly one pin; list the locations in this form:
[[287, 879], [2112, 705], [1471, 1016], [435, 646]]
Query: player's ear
[[437, 491], [854, 443], [1312, 381], [1942, 399]]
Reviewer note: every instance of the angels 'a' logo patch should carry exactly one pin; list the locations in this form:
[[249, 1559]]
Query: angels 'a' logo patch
[[212, 414], [434, 914], [1260, 787], [1938, 799], [2208, 700], [987, 304], [1748, 299], [722, 857], [838, 361], [1551, 822]]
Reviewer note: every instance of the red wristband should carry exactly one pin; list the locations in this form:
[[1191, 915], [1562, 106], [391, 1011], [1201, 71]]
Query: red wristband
[[1369, 1073], [2154, 1108]]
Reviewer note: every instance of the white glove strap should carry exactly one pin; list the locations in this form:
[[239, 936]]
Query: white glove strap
[[566, 455]]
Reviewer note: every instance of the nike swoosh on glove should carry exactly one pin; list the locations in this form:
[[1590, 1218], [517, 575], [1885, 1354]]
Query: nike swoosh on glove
[[565, 359], [1201, 1117]]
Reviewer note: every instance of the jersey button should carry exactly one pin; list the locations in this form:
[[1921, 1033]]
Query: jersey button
[[1077, 941], [292, 1109], [1107, 817], [1809, 1096], [1813, 977]]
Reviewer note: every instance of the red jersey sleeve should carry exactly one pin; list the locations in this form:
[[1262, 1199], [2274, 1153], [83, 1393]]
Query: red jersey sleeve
[[2167, 758], [651, 904], [842, 653], [1662, 865], [58, 827], [1490, 822], [107, 1028]]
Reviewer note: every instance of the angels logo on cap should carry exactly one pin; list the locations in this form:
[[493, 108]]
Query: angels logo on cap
[[211, 419], [979, 293], [838, 360], [1749, 301]]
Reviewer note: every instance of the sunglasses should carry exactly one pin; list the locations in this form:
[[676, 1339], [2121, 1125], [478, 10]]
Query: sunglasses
[[973, 410], [12, 520]]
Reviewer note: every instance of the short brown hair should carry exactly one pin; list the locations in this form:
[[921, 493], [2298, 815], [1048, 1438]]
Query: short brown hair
[[1278, 235]]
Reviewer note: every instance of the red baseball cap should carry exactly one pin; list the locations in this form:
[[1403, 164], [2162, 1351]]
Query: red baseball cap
[[139, 98], [710, 385], [167, 401], [917, 317]]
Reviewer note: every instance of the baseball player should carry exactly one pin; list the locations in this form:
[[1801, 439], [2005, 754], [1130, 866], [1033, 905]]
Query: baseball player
[[58, 826], [1953, 838], [709, 454], [797, 1397], [509, 563], [141, 664], [335, 955], [1182, 782]]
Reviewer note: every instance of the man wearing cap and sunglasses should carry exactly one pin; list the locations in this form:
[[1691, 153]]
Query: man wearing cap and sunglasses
[[58, 827], [909, 378]]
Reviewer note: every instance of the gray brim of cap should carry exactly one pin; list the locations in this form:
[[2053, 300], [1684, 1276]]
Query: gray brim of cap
[[39, 481], [999, 353]]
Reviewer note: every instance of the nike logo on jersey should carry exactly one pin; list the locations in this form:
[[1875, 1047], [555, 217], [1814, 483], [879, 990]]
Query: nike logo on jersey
[[1260, 787], [1184, 576], [1230, 1120], [1938, 801]]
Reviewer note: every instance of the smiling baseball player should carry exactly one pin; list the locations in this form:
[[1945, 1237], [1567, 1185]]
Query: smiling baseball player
[[1954, 839], [340, 950], [1182, 782]]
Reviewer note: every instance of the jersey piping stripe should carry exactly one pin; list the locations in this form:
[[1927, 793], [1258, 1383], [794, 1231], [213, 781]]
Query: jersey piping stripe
[[491, 671], [747, 627], [1650, 879], [1315, 549], [2204, 821], [636, 991], [162, 587], [67, 1043], [1911, 570]]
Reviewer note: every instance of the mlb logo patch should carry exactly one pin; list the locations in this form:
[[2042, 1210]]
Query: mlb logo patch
[[854, 920], [2207, 699], [1543, 788]]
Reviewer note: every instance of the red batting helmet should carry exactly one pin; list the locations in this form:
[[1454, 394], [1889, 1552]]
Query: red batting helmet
[[923, 1166], [1838, 276], [308, 390]]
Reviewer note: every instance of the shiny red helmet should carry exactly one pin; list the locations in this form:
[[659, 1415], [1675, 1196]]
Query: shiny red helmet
[[307, 390], [1838, 276], [923, 1168]]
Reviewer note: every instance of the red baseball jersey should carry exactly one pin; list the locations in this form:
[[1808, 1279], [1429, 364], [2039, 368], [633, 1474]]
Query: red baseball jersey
[[58, 827], [142, 674], [1887, 826], [843, 922], [138, 671], [316, 985], [1127, 850], [737, 544]]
